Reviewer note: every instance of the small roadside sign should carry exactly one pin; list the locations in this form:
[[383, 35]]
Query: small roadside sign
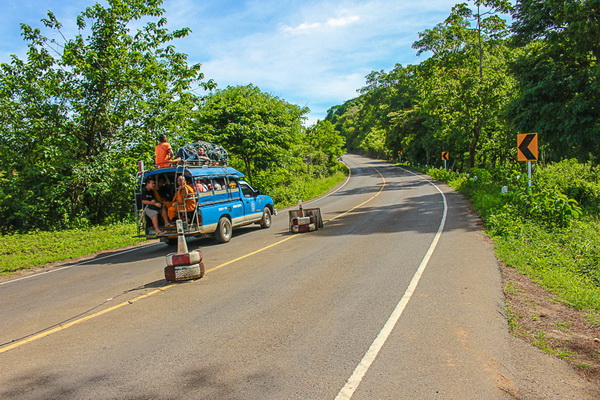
[[445, 155], [527, 147]]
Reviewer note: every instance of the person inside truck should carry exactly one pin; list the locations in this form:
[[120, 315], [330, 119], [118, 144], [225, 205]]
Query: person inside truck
[[153, 207], [207, 183], [200, 186], [218, 184], [164, 190], [185, 198]]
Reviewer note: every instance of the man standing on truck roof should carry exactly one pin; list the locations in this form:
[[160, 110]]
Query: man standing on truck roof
[[152, 207], [163, 153]]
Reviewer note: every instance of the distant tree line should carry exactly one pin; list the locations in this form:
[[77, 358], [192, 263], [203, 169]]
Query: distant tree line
[[485, 82], [78, 112]]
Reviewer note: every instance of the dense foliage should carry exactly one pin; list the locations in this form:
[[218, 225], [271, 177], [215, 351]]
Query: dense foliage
[[259, 128], [77, 114], [485, 82]]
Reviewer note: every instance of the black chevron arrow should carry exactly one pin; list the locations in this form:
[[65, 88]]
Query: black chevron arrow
[[524, 147]]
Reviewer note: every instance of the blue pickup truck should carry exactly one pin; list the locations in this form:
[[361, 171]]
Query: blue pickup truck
[[223, 201]]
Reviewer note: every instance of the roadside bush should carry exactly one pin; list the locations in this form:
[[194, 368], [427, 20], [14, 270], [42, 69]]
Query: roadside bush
[[576, 180], [442, 174], [287, 187], [550, 208]]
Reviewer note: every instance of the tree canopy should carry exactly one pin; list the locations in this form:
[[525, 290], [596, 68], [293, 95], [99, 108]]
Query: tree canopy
[[484, 82], [256, 126], [78, 112]]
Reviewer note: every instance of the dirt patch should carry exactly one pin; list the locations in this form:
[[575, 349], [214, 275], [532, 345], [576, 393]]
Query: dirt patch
[[537, 317]]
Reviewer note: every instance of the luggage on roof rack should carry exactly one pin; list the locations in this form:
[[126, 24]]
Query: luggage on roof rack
[[217, 154]]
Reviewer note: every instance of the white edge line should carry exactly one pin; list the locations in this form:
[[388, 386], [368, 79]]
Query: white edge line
[[37, 274], [364, 364]]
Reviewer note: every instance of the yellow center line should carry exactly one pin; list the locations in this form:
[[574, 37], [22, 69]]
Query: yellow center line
[[164, 288], [83, 319], [250, 254], [364, 202]]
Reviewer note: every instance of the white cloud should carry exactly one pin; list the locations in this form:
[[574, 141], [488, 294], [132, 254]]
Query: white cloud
[[330, 23]]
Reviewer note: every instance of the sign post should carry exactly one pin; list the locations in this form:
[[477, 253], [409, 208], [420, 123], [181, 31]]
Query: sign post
[[527, 150], [445, 157]]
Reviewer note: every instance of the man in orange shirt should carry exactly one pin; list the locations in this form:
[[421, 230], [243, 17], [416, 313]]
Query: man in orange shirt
[[184, 198], [163, 153]]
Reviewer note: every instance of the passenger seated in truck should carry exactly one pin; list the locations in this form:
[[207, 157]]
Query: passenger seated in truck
[[185, 198], [207, 183], [200, 186], [153, 207], [164, 191], [218, 184]]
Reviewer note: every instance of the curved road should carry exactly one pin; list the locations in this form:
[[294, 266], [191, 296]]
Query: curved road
[[398, 297]]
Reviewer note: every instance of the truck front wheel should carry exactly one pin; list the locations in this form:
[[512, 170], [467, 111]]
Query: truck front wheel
[[224, 231], [265, 221]]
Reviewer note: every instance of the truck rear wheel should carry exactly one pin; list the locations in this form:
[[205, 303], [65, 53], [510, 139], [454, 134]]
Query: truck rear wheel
[[223, 232]]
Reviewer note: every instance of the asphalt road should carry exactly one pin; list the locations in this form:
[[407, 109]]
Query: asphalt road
[[398, 297]]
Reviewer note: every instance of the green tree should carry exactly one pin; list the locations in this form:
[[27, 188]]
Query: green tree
[[558, 76], [79, 110], [465, 83], [255, 126], [323, 145]]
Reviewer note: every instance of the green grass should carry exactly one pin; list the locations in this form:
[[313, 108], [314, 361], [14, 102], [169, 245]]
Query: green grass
[[557, 261], [541, 342], [303, 188], [23, 251], [317, 187]]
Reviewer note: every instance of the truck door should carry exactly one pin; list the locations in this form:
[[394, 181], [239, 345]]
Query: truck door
[[249, 202]]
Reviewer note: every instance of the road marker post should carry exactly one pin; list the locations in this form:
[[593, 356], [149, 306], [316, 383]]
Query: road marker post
[[445, 157], [184, 265], [527, 150]]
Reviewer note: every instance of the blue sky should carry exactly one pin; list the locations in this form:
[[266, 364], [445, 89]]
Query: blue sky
[[313, 53]]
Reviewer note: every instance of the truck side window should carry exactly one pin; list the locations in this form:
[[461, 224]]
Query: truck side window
[[248, 192]]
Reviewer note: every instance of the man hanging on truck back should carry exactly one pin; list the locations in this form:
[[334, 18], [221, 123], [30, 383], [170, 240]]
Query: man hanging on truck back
[[185, 198], [152, 207]]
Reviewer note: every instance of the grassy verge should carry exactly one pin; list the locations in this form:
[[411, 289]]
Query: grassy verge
[[307, 189], [564, 261], [24, 251], [33, 249]]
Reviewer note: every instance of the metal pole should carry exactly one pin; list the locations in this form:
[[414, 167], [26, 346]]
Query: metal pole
[[529, 172]]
